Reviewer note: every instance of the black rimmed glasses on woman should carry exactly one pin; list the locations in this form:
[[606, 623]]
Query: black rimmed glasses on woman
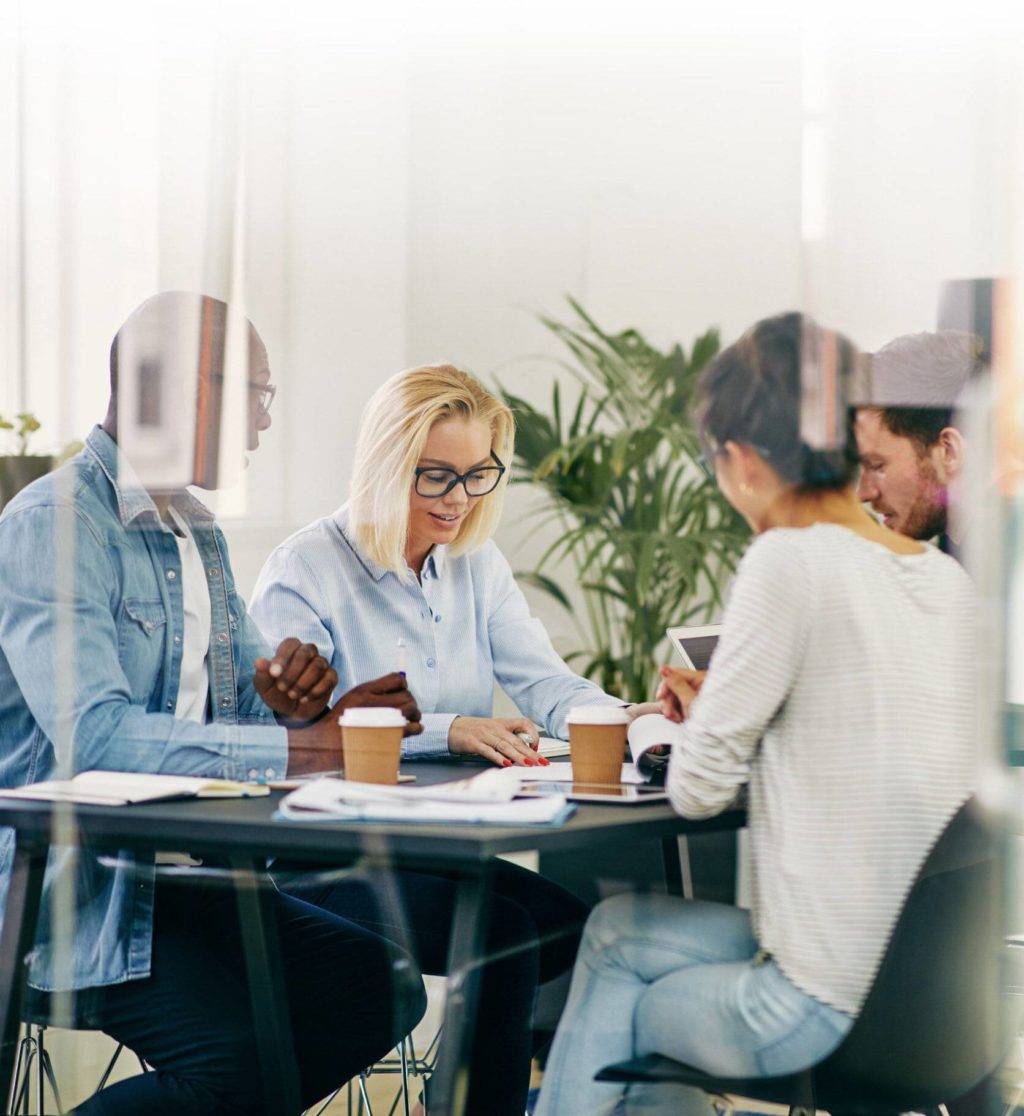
[[435, 481], [706, 460]]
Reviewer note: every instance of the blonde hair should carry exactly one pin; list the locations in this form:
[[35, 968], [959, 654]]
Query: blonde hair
[[392, 434]]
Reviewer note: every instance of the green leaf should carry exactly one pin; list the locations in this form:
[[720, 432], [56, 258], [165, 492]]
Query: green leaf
[[649, 540], [545, 583]]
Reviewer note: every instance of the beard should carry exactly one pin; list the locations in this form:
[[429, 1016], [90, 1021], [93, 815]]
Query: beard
[[926, 518], [928, 515]]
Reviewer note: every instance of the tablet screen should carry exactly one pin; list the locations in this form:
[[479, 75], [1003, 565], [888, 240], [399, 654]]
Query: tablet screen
[[629, 794], [695, 645]]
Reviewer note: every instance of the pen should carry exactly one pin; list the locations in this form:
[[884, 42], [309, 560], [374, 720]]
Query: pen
[[400, 649]]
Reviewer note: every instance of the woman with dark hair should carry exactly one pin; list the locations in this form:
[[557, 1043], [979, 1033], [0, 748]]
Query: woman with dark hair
[[838, 695]]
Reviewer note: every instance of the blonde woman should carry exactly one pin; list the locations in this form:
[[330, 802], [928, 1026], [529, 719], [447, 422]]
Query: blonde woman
[[405, 576]]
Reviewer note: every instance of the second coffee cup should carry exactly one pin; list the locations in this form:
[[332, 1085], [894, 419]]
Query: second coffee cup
[[597, 743], [371, 744]]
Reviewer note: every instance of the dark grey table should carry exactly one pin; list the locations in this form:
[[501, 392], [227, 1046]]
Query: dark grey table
[[245, 833]]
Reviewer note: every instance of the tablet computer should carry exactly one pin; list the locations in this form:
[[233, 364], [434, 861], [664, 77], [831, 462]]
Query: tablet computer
[[695, 644], [628, 794]]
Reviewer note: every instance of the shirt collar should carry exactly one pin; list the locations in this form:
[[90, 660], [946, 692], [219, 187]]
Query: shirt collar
[[434, 565], [133, 499]]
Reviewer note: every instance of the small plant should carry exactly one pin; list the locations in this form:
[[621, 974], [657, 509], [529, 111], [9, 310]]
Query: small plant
[[25, 425], [646, 536]]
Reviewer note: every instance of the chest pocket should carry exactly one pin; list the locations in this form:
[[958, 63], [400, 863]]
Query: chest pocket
[[141, 635]]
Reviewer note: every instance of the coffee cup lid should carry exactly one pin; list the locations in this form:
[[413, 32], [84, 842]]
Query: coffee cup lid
[[367, 716], [598, 715]]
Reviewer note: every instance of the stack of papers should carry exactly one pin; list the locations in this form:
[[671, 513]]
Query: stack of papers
[[552, 748], [124, 788], [487, 799]]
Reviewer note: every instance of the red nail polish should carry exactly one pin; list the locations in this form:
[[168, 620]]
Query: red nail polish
[[529, 762], [506, 763], [544, 762]]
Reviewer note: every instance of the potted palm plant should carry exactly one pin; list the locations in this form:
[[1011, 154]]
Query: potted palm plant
[[645, 535], [21, 468]]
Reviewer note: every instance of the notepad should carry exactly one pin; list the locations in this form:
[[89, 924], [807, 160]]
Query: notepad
[[552, 748], [126, 788], [485, 799]]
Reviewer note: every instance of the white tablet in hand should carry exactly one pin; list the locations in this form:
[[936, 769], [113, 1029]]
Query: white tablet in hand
[[695, 645]]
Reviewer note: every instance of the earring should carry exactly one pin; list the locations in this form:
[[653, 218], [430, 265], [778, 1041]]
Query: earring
[[746, 489]]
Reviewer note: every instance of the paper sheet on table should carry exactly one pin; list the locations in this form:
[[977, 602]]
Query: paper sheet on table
[[649, 731], [562, 773], [551, 747], [485, 799]]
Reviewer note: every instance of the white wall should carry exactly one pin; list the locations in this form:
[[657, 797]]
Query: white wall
[[412, 196]]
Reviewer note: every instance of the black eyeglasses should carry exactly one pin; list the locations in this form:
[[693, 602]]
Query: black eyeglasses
[[435, 481], [264, 396], [259, 391], [706, 460]]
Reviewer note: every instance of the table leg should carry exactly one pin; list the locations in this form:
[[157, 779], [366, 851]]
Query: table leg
[[21, 915], [255, 894], [675, 853], [450, 1083]]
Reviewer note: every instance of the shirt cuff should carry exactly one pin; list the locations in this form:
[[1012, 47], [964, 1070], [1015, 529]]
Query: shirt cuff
[[595, 697], [433, 740], [259, 754]]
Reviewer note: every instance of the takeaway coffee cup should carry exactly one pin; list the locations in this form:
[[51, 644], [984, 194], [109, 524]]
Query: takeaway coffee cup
[[597, 743], [371, 744]]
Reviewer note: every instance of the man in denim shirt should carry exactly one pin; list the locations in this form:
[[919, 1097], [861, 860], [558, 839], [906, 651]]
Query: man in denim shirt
[[124, 646]]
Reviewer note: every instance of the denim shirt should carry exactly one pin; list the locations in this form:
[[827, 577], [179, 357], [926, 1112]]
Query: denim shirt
[[91, 629], [465, 626]]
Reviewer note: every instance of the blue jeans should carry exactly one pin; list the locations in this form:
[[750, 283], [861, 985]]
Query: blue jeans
[[662, 975]]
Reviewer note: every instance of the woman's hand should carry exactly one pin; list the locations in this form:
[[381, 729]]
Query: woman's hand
[[677, 691], [641, 709], [495, 739]]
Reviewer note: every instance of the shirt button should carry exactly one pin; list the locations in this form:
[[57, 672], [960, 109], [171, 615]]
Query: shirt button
[[431, 663], [270, 773], [177, 639], [150, 625], [170, 705], [437, 619], [222, 637], [171, 575], [253, 774], [214, 570], [225, 702]]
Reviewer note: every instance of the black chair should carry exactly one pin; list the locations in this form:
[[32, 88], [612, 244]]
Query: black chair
[[931, 1027]]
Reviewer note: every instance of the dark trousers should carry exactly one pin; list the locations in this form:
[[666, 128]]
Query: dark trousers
[[351, 996], [533, 932]]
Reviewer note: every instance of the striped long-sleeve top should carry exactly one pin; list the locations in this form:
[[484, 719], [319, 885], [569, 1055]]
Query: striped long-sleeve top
[[842, 692]]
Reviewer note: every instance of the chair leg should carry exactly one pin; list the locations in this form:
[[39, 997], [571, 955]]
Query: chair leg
[[364, 1096], [40, 1074], [19, 1058], [23, 1096], [109, 1070], [52, 1078], [405, 1078]]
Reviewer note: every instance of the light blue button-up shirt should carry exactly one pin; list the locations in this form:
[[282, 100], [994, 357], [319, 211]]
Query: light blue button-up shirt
[[91, 630], [465, 625]]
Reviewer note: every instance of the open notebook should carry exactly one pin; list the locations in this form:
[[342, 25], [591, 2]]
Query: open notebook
[[551, 748], [124, 788]]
